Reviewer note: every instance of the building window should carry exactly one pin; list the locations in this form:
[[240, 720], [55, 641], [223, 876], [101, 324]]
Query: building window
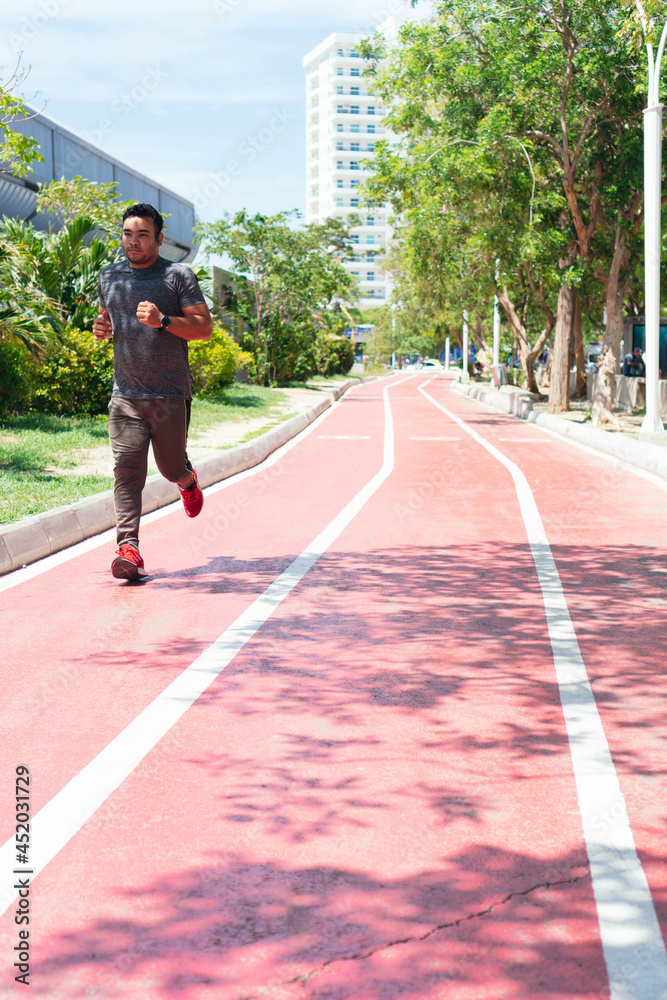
[[354, 202], [370, 239], [371, 147], [354, 91], [354, 127], [370, 221], [370, 128], [355, 237], [354, 54], [371, 109], [339, 165], [339, 183], [355, 71], [339, 71], [354, 146], [339, 52], [354, 165], [355, 183], [354, 109], [339, 90], [340, 109], [339, 201], [355, 273], [339, 127], [339, 146], [370, 275]]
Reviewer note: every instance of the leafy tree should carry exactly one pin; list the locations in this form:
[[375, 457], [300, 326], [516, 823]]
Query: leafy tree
[[285, 278], [68, 200], [521, 128], [17, 151]]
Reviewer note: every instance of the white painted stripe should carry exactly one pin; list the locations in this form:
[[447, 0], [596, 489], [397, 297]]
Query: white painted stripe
[[631, 939], [534, 440], [61, 818], [58, 558]]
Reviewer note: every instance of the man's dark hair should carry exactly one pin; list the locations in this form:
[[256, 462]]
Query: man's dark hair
[[145, 212]]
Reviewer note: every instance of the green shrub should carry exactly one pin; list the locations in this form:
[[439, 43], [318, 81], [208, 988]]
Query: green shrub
[[14, 359], [335, 355], [290, 355], [214, 362], [73, 376]]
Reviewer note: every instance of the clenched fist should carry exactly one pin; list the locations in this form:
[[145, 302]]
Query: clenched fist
[[149, 314], [102, 326]]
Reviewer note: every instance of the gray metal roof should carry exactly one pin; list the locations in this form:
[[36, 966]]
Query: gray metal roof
[[68, 155]]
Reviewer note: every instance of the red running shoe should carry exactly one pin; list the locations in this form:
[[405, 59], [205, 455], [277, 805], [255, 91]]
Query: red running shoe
[[128, 564], [193, 498]]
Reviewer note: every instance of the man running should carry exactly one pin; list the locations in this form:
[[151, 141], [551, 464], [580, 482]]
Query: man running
[[151, 308]]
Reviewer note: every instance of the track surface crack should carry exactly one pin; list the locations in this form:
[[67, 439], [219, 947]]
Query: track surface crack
[[304, 977]]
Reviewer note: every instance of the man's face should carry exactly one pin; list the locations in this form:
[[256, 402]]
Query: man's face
[[139, 242]]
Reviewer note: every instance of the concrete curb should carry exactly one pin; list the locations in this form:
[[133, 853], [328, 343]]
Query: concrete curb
[[41, 535], [649, 457]]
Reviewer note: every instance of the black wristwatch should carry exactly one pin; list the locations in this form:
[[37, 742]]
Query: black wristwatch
[[165, 322]]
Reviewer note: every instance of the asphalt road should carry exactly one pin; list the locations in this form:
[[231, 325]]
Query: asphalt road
[[386, 720]]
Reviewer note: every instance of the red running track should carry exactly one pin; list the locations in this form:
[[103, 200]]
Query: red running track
[[375, 798]]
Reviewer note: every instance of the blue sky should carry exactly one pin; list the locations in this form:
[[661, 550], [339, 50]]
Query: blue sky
[[182, 88]]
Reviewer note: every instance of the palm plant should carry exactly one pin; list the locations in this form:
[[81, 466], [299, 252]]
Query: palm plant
[[49, 280]]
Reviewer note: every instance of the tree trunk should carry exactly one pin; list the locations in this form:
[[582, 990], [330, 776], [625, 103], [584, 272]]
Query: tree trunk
[[579, 358], [526, 354], [559, 390], [602, 415], [480, 339]]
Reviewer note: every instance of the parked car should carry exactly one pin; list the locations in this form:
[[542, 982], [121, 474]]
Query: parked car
[[432, 366]]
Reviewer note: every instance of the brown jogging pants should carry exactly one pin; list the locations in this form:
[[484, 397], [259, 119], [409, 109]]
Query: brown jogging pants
[[133, 423]]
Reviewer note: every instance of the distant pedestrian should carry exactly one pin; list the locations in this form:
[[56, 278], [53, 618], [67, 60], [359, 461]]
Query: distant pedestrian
[[633, 364], [152, 308]]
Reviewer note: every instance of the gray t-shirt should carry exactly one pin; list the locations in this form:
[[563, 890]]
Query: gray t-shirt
[[148, 363]]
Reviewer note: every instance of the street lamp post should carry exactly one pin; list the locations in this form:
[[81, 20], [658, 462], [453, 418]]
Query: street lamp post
[[652, 425], [496, 324], [447, 354], [465, 360]]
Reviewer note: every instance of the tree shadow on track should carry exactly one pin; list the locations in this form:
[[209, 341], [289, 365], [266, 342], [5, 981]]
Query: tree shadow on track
[[429, 667], [429, 628], [235, 929]]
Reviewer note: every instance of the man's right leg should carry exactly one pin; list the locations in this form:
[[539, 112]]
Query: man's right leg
[[130, 437]]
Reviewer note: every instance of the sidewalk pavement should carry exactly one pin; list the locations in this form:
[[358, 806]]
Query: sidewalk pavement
[[621, 446], [33, 538]]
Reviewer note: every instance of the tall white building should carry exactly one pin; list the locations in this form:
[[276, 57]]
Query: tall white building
[[343, 124]]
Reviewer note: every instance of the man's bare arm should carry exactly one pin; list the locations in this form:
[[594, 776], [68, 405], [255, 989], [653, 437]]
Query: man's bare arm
[[195, 324]]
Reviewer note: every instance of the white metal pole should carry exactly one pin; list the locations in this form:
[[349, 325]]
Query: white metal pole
[[652, 423], [496, 324], [465, 360], [496, 331], [447, 349]]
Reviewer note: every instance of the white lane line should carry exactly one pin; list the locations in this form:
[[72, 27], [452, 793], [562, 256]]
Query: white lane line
[[433, 439], [631, 939], [61, 818], [58, 558], [619, 463], [526, 440]]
